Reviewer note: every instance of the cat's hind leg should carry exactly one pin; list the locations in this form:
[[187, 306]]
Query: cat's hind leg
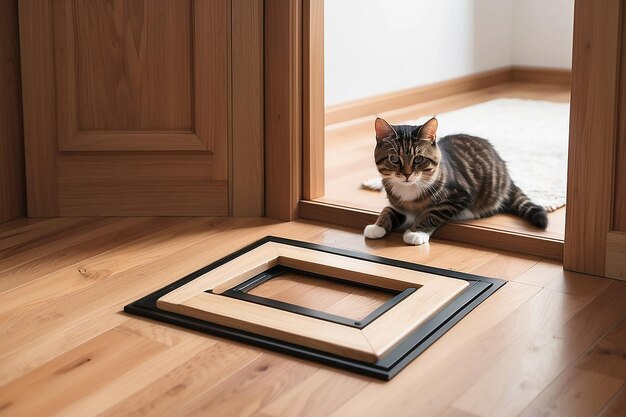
[[388, 220]]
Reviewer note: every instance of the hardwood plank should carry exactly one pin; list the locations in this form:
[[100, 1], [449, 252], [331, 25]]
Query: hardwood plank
[[578, 284], [44, 263], [53, 343], [550, 274], [323, 295], [456, 373], [30, 251], [318, 395], [608, 356], [69, 321], [575, 393], [540, 274], [617, 406], [505, 266], [128, 387], [12, 179], [88, 272], [530, 345], [105, 357], [259, 383], [37, 231], [528, 356], [198, 374], [17, 223]]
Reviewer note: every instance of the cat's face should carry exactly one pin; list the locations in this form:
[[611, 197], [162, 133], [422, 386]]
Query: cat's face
[[406, 155]]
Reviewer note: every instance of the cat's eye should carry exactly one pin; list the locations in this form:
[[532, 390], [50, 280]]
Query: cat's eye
[[418, 160], [394, 159]]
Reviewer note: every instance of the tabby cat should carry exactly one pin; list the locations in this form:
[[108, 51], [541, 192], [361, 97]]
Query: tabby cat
[[430, 181]]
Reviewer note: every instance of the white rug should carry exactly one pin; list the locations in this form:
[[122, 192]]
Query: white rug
[[530, 135]]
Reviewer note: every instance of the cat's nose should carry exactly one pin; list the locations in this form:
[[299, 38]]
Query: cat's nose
[[407, 176]]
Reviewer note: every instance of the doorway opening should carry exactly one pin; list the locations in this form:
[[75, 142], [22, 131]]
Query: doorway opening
[[499, 70]]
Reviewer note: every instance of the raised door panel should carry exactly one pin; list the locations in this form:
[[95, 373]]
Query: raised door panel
[[139, 75], [126, 106]]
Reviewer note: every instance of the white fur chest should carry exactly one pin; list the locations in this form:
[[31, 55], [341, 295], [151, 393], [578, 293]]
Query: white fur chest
[[408, 192]]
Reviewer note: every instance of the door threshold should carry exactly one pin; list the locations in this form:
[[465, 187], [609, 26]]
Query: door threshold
[[475, 234]]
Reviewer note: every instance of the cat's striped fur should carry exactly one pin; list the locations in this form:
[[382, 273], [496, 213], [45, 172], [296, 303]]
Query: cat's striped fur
[[430, 181]]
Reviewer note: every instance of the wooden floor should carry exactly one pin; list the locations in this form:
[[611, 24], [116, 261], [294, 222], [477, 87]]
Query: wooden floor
[[349, 149], [549, 343]]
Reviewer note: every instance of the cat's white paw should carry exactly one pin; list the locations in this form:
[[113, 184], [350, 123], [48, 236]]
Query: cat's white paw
[[374, 232], [415, 238], [374, 184]]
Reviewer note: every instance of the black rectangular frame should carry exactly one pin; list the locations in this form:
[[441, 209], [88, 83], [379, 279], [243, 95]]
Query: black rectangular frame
[[420, 339], [240, 292]]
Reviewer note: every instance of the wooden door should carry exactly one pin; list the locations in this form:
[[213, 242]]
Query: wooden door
[[126, 106]]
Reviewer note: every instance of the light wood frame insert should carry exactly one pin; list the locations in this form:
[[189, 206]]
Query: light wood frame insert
[[377, 345], [369, 344]]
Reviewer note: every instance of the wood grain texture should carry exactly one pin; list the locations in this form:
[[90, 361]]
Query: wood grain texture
[[283, 108], [616, 255], [550, 76], [533, 343], [132, 85], [278, 324], [433, 293], [341, 299], [619, 198], [115, 48], [490, 237], [145, 85], [313, 99], [39, 107], [117, 185], [247, 172], [617, 406], [593, 120], [12, 181]]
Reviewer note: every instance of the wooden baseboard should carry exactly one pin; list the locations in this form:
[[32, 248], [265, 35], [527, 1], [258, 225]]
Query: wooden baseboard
[[552, 76], [458, 232], [410, 96]]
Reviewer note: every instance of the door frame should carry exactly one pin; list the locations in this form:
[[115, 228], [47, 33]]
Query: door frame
[[597, 139], [597, 46]]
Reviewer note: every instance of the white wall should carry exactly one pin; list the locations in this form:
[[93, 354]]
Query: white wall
[[377, 46], [542, 34]]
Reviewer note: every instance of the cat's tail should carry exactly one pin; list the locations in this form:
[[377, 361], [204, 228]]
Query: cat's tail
[[520, 205]]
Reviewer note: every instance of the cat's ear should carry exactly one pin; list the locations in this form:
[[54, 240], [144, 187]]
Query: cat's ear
[[428, 130], [383, 130]]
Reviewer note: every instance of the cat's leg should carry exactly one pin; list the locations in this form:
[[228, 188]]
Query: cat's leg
[[388, 220], [425, 224]]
